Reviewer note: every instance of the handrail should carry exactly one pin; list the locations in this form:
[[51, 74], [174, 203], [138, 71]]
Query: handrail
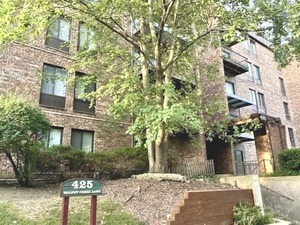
[[234, 56]]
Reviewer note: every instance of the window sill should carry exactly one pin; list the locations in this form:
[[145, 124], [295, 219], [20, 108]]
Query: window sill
[[52, 107], [84, 112]]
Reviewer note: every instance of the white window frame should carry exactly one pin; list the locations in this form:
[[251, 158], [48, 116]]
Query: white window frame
[[54, 82], [52, 138], [60, 29], [253, 99]]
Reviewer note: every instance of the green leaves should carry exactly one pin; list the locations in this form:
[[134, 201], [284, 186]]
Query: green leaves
[[246, 214], [21, 124], [289, 160], [23, 20]]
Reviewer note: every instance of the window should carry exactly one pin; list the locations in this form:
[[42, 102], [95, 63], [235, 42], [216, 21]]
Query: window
[[257, 75], [250, 74], [230, 88], [291, 136], [261, 102], [286, 110], [85, 37], [59, 34], [253, 47], [239, 161], [54, 137], [282, 87], [81, 88], [253, 99], [53, 89], [245, 44], [82, 140]]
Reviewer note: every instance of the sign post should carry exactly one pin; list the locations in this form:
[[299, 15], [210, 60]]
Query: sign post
[[80, 187]]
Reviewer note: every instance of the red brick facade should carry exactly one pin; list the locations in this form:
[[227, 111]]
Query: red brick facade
[[21, 66], [265, 81]]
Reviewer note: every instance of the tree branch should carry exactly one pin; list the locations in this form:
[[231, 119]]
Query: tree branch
[[186, 48], [124, 35]]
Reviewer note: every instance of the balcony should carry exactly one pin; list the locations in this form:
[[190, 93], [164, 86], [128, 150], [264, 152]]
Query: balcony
[[237, 102], [243, 137], [234, 63]]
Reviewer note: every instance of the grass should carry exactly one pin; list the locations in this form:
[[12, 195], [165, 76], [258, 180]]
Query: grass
[[108, 213]]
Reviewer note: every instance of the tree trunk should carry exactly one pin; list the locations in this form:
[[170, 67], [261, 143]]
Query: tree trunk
[[159, 163], [26, 168], [15, 168], [151, 155]]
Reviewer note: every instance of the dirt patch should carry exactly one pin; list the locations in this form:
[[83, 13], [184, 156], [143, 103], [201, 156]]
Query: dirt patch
[[150, 200]]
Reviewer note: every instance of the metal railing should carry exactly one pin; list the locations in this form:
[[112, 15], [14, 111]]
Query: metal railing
[[194, 167], [247, 167], [230, 55]]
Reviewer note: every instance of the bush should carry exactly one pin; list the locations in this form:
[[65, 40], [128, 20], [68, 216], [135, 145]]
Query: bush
[[54, 157], [246, 214], [289, 161], [118, 163], [47, 162]]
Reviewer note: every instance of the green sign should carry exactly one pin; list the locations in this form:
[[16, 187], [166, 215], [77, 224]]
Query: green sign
[[79, 187]]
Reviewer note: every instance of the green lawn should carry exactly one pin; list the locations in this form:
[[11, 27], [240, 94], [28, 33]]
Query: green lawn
[[108, 213]]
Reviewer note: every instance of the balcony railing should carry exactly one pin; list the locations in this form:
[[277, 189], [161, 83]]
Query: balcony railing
[[234, 63], [237, 102]]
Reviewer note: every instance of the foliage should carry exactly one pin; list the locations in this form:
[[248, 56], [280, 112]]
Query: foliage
[[230, 131], [21, 129], [282, 26], [153, 58], [206, 178], [56, 156], [246, 214], [108, 213], [289, 161], [116, 163], [280, 173], [120, 162]]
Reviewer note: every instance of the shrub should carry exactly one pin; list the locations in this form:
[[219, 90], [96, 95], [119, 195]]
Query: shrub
[[289, 161], [246, 214], [54, 157], [117, 163], [47, 161], [120, 162]]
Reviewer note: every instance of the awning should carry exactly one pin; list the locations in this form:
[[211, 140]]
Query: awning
[[246, 137], [237, 102]]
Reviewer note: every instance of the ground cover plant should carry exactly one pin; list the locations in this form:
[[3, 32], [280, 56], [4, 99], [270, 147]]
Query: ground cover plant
[[108, 213], [246, 214]]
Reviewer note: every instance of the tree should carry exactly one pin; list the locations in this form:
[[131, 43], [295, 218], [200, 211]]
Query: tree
[[282, 27], [21, 128], [152, 57]]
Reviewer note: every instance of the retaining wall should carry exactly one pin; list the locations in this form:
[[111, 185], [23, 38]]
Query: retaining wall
[[282, 194], [279, 194], [209, 207]]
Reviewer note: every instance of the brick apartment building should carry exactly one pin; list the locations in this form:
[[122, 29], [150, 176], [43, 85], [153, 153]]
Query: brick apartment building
[[292, 76], [254, 86], [73, 121]]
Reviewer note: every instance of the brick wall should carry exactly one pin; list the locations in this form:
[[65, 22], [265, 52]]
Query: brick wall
[[221, 153], [20, 68], [209, 207], [269, 143], [292, 78], [6, 170], [270, 86], [20, 72]]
